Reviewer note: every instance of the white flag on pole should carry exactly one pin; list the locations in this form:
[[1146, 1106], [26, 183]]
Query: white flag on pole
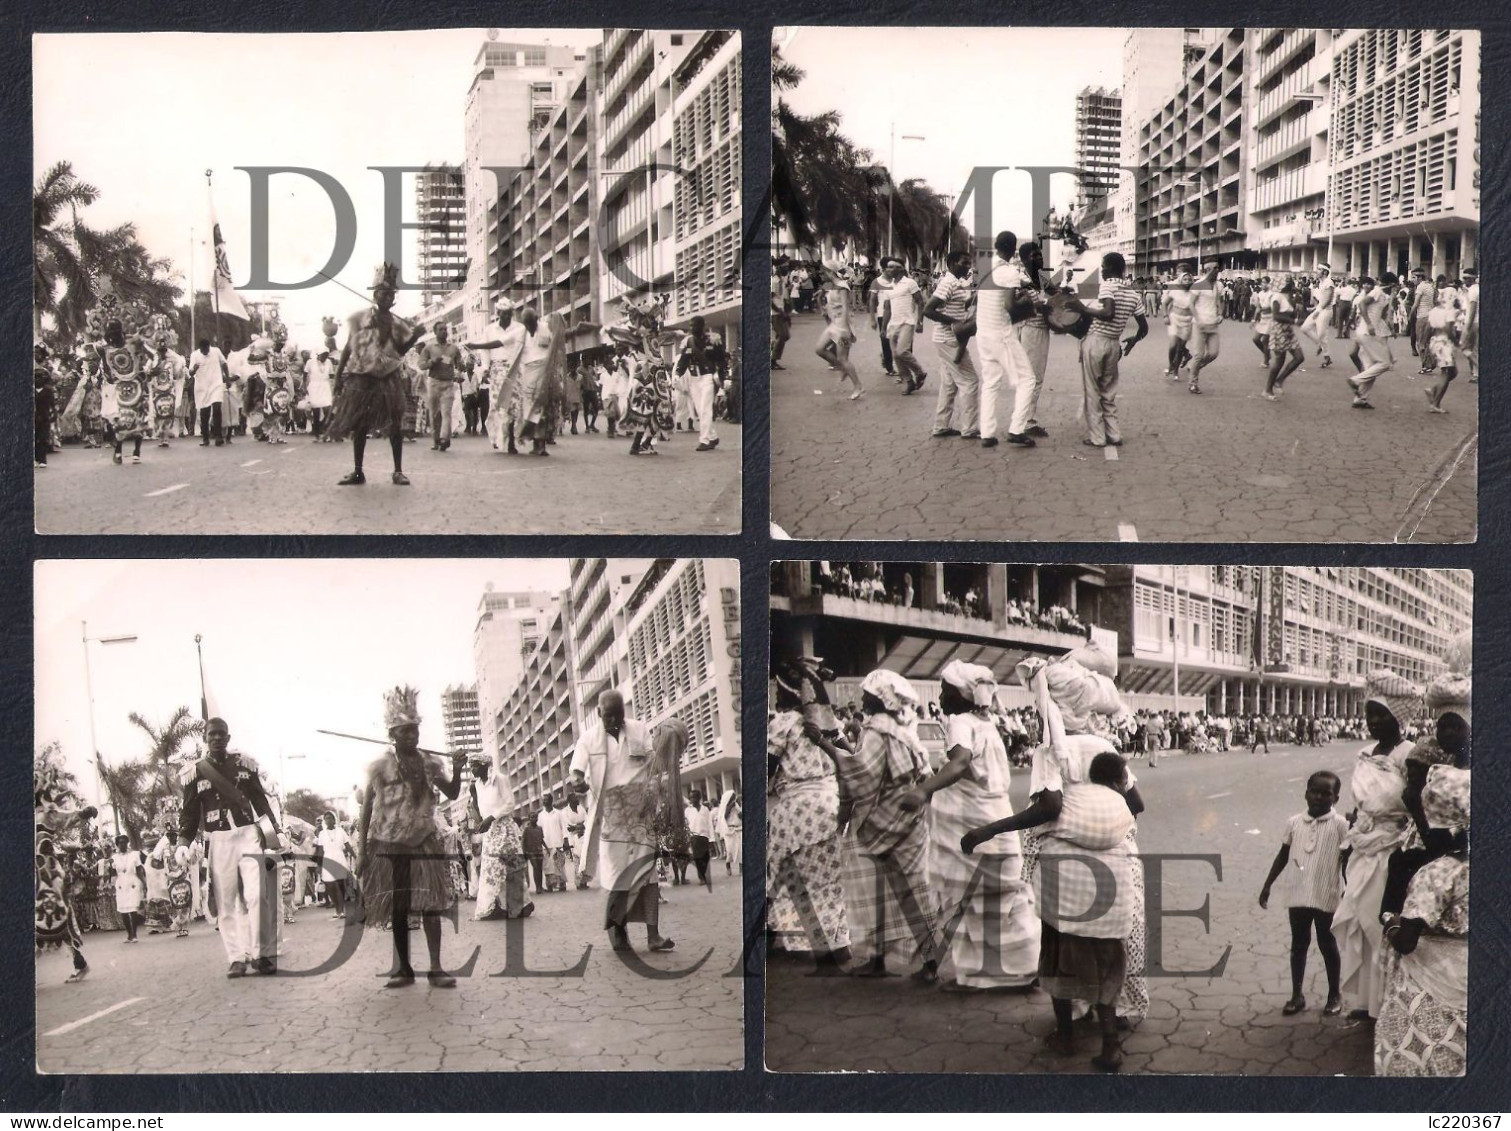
[[226, 299]]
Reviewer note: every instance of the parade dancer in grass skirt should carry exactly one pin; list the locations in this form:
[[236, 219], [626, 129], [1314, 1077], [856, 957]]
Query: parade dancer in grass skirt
[[369, 378], [56, 822], [401, 862]]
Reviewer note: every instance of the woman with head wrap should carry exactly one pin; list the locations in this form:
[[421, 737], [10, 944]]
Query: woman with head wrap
[[988, 907], [1378, 828], [1094, 958], [804, 854], [1448, 700], [1423, 1025], [887, 881]]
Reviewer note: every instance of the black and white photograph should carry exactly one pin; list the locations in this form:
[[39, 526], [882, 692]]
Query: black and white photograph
[[437, 815], [1148, 819], [1197, 284], [364, 283]]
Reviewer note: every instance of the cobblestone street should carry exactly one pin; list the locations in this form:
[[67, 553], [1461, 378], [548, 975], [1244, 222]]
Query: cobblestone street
[[1225, 466], [1233, 805], [165, 1005]]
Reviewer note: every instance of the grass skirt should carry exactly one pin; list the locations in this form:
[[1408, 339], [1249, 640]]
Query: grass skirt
[[415, 876], [369, 404]]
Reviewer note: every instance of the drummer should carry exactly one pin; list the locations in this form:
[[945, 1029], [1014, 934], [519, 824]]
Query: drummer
[[1033, 335]]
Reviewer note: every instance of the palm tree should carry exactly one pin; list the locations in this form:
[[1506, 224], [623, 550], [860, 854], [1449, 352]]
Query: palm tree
[[139, 788], [70, 259], [57, 257]]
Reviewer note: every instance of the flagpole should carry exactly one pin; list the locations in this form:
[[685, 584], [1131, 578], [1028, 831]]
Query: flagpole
[[191, 344], [215, 290], [204, 700]]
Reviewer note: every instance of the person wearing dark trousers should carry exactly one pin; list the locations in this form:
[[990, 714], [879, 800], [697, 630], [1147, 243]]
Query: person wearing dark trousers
[[44, 401], [535, 850], [700, 834]]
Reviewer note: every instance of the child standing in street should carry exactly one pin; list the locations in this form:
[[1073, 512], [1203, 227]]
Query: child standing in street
[[1311, 857]]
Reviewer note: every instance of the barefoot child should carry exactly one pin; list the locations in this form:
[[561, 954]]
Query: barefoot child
[[1311, 858]]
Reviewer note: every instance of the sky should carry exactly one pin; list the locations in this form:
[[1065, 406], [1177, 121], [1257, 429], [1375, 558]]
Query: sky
[[142, 116], [1010, 99], [289, 646]]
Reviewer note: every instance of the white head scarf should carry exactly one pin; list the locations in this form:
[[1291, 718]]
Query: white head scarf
[[974, 681], [895, 693]]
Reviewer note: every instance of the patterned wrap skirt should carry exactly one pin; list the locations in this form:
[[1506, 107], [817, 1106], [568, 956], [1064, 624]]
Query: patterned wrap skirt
[[369, 404], [415, 878]]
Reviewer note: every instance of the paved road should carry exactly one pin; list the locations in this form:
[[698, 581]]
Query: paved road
[[186, 1016], [1226, 466], [589, 485], [1232, 804]]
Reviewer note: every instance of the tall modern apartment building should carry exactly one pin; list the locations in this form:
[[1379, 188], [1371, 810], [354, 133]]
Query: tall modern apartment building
[[537, 725], [1099, 131], [460, 717], [508, 627], [514, 88], [441, 239], [543, 244], [1190, 196]]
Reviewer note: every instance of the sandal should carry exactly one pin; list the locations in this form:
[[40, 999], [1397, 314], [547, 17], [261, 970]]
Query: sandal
[[76, 976], [664, 944], [1294, 1006]]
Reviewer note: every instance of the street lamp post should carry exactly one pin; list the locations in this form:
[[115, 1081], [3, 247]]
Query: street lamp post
[[892, 178], [94, 745]]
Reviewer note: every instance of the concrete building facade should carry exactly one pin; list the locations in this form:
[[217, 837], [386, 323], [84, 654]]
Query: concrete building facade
[[441, 239], [537, 725], [508, 627], [460, 717], [1404, 137], [543, 244], [514, 87], [1279, 639], [1099, 133], [1191, 197]]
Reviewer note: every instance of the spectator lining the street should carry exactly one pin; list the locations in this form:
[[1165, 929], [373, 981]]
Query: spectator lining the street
[[1311, 857], [1377, 827]]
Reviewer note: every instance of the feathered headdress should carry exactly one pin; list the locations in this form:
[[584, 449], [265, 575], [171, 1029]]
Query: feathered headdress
[[386, 275], [401, 707]]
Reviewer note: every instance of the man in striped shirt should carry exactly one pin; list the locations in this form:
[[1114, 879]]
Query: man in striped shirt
[[1103, 347], [949, 304]]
